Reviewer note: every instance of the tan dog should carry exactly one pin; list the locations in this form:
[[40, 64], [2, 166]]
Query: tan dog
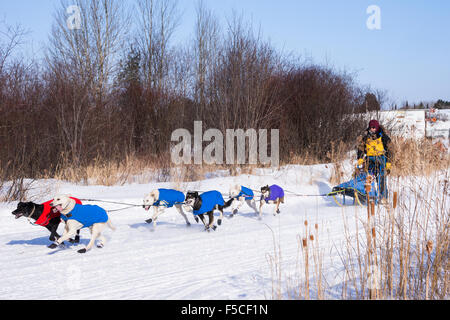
[[235, 191], [81, 216], [160, 199]]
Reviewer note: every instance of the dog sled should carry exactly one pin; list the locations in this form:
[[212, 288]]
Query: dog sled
[[356, 191]]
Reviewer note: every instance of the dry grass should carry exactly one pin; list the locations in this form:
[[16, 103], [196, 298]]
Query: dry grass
[[418, 157], [403, 246]]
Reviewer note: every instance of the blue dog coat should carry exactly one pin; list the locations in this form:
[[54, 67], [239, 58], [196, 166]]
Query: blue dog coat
[[169, 197], [87, 215], [246, 193], [209, 200]]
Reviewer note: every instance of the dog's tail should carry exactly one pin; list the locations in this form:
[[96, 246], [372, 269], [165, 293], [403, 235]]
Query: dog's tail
[[110, 225]]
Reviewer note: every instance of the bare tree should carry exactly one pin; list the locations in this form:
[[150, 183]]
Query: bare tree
[[157, 22], [10, 38], [206, 49], [82, 61]]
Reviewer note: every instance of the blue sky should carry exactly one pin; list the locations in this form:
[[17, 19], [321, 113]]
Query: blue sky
[[409, 56]]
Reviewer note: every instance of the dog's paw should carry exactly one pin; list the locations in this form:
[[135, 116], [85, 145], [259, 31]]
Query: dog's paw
[[278, 211], [73, 241], [53, 246], [214, 228], [82, 251], [100, 245], [188, 224], [196, 219], [219, 222], [149, 220], [234, 212]]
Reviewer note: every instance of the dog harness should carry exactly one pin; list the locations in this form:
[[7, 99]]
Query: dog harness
[[274, 193], [209, 201], [87, 215], [246, 193], [169, 197], [47, 213]]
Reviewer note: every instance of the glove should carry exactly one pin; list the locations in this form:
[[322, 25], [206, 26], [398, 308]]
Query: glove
[[388, 167], [360, 163]]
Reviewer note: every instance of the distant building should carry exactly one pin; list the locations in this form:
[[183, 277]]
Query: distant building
[[416, 123]]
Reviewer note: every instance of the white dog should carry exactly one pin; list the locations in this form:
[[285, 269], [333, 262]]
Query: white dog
[[160, 199], [79, 216], [242, 194]]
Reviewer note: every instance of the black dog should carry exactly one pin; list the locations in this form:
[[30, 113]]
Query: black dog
[[34, 211], [207, 202]]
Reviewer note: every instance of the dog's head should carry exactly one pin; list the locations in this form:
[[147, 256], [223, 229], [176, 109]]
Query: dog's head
[[150, 199], [63, 203], [24, 209], [265, 191], [235, 190], [191, 198]]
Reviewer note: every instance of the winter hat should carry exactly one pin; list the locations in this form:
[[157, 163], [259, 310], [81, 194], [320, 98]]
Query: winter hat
[[374, 124], [65, 202]]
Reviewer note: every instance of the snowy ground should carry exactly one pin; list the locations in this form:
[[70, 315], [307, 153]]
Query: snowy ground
[[174, 261]]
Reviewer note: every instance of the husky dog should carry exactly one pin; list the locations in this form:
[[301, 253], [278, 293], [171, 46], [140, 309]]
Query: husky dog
[[45, 216], [239, 194], [207, 202], [79, 216], [272, 195], [160, 199]]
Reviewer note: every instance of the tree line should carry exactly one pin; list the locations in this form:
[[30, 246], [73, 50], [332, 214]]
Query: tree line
[[119, 86]]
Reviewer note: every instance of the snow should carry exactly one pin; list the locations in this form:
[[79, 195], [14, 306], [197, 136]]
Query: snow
[[174, 261]]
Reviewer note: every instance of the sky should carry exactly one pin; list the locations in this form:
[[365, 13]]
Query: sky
[[408, 56]]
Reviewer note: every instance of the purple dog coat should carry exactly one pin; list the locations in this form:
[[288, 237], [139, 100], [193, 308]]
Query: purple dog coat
[[274, 193]]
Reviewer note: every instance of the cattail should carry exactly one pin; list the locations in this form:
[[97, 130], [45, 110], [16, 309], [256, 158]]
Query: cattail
[[429, 246], [372, 208], [304, 242], [311, 237], [373, 232], [306, 223], [395, 200], [316, 226]]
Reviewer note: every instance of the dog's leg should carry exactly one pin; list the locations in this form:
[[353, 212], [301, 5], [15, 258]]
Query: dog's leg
[[261, 203], [156, 213], [96, 229], [277, 204], [102, 239], [211, 221], [202, 217], [69, 231], [238, 203], [180, 210], [252, 204], [219, 222], [76, 239], [52, 228]]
